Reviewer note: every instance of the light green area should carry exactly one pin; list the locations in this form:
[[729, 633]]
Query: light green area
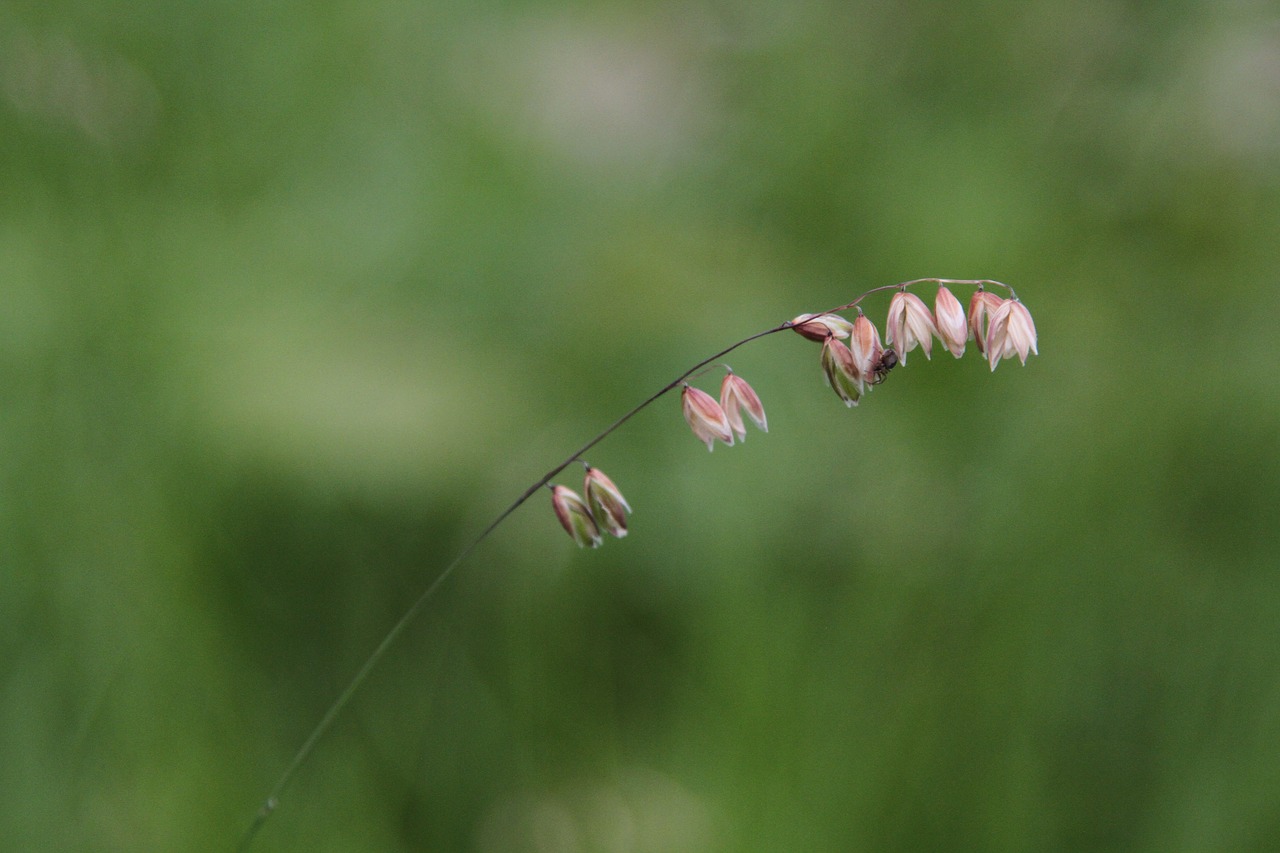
[[295, 297]]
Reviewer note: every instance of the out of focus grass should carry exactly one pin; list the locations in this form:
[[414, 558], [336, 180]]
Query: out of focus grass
[[295, 298]]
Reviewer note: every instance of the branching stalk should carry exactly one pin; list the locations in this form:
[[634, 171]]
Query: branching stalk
[[344, 698]]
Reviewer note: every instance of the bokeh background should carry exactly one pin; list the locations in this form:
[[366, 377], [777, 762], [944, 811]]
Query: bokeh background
[[295, 297]]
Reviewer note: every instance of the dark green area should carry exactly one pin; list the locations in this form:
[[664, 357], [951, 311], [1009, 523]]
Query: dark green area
[[296, 297]]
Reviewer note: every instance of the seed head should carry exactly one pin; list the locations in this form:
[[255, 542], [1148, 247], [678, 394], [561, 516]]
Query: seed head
[[950, 320], [736, 397], [842, 372], [819, 327], [1011, 330], [981, 307], [864, 343], [608, 507], [909, 324], [705, 417], [575, 517]]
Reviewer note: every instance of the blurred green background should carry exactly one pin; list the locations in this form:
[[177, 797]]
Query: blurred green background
[[296, 297]]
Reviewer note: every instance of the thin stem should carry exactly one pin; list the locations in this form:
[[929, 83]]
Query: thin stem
[[903, 285], [344, 698], [397, 630]]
